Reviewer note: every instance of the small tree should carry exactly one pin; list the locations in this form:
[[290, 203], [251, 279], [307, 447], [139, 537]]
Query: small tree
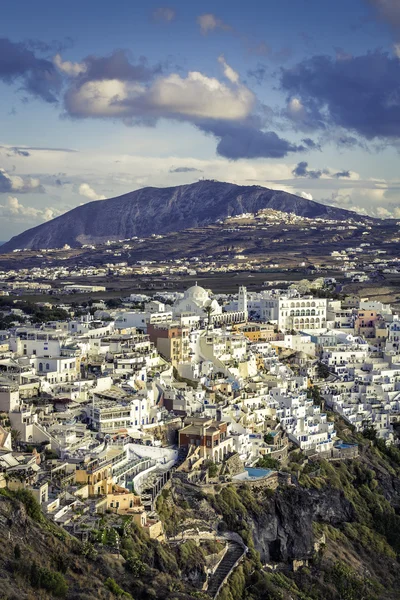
[[15, 437], [315, 395], [209, 311], [322, 371], [268, 439]]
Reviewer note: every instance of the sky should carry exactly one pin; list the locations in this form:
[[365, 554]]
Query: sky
[[98, 99]]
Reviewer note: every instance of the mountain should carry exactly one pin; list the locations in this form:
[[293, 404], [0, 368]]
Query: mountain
[[162, 210]]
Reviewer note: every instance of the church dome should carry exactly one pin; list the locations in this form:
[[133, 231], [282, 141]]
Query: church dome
[[197, 293]]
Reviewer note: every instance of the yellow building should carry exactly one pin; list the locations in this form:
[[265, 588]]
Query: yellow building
[[255, 332], [121, 502], [96, 473]]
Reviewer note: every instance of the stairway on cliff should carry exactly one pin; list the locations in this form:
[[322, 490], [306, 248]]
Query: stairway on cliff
[[234, 552]]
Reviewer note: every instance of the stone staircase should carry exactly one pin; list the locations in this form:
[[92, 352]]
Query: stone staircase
[[232, 557]]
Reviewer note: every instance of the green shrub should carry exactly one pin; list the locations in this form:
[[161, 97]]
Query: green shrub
[[44, 578], [212, 470], [266, 462], [135, 566], [31, 504], [115, 589]]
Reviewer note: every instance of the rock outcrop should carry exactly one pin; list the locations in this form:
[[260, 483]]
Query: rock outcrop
[[283, 532]]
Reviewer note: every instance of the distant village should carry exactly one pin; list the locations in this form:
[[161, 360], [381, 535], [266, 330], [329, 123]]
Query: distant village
[[101, 408], [58, 274]]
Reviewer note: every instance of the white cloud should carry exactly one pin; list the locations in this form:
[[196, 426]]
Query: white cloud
[[69, 68], [15, 211], [88, 192], [396, 49], [229, 73], [306, 195], [295, 107], [15, 183], [195, 96], [164, 13], [297, 113], [200, 96], [209, 22], [383, 213]]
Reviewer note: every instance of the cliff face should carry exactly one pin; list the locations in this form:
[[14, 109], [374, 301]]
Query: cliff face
[[162, 210], [284, 531]]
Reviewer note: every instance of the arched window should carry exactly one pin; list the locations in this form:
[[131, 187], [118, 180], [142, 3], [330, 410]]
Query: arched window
[[47, 367], [40, 366]]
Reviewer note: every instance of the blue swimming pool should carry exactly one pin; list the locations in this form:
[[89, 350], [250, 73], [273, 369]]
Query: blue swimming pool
[[343, 445], [255, 473]]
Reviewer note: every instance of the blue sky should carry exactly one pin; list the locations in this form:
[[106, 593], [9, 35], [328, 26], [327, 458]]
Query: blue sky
[[100, 98]]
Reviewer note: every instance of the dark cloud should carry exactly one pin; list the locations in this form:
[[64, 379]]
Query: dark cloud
[[118, 66], [301, 170], [259, 73], [387, 10], [37, 76], [5, 183], [342, 174], [347, 141], [21, 185], [17, 152], [311, 145], [185, 170], [361, 94], [24, 150], [49, 47], [243, 140]]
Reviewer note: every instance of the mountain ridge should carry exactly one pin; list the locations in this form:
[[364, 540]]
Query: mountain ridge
[[154, 210]]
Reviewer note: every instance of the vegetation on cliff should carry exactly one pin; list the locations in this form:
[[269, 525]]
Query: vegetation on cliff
[[334, 534]]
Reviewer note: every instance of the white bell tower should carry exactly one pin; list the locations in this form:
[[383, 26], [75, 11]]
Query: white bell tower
[[242, 300]]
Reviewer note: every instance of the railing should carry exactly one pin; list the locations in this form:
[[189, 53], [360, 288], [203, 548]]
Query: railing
[[136, 466]]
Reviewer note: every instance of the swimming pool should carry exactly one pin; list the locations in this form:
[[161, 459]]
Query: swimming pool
[[255, 473], [344, 445], [252, 473]]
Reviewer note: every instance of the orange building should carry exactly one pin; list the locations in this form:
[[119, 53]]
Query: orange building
[[171, 340]]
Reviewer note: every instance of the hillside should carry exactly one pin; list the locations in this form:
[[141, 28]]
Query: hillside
[[338, 523], [162, 210]]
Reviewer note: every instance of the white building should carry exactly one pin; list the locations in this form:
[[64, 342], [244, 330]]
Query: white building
[[196, 301]]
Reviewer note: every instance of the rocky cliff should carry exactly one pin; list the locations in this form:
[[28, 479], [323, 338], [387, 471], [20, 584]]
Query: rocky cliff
[[162, 210], [338, 524], [283, 531]]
